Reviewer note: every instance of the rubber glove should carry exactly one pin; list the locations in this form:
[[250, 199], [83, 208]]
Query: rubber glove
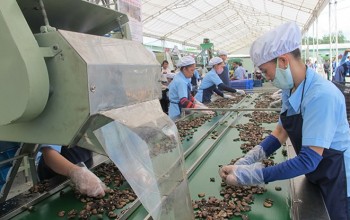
[[269, 145], [202, 106], [86, 182], [228, 96], [240, 91], [242, 175], [276, 104]]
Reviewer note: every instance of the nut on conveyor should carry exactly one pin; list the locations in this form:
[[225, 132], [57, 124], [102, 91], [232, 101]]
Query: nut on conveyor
[[61, 213], [278, 188], [201, 195]]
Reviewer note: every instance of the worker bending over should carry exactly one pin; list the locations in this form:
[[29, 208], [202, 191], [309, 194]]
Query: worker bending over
[[212, 83]]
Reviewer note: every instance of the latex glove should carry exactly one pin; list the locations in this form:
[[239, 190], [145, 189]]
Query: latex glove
[[242, 175], [202, 106], [86, 182], [254, 155], [276, 104], [240, 91], [196, 102], [228, 96]]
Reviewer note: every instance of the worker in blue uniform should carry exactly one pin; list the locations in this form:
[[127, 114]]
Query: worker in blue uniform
[[60, 160], [313, 117], [225, 75], [56, 160], [212, 83], [180, 88]]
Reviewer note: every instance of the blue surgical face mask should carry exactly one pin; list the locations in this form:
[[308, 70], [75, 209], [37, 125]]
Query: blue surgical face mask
[[283, 78]]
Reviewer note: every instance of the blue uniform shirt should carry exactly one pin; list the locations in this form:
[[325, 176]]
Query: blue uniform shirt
[[210, 79], [239, 73], [178, 89], [323, 109]]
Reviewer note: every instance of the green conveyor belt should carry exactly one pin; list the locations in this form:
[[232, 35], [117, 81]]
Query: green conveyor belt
[[199, 181], [48, 208]]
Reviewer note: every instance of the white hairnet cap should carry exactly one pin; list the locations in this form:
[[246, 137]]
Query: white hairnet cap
[[281, 40], [222, 52], [215, 60], [185, 61], [170, 75]]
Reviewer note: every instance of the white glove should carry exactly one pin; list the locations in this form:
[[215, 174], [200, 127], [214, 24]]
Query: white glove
[[228, 96], [202, 106], [240, 175], [254, 155], [86, 182], [240, 91]]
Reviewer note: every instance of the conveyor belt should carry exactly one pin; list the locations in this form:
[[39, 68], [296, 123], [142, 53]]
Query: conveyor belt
[[203, 155]]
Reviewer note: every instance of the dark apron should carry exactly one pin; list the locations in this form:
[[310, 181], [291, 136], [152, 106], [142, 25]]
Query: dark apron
[[330, 174], [188, 97], [224, 76], [207, 93]]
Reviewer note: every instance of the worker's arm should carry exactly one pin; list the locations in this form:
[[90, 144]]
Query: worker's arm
[[229, 89], [85, 181], [307, 161], [187, 103], [56, 161], [218, 92], [269, 145], [226, 88]]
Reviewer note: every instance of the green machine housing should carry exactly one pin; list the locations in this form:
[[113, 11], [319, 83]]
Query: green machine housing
[[55, 83]]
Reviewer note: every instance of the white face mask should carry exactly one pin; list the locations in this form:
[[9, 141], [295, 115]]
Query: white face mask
[[283, 78]]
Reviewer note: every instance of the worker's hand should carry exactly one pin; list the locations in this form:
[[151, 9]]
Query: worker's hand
[[86, 182], [241, 175], [202, 106], [276, 104], [240, 91], [228, 96], [256, 154]]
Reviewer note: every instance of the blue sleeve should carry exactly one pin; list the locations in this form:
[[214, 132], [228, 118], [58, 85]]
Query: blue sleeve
[[270, 144], [182, 90], [321, 115], [54, 147], [306, 162]]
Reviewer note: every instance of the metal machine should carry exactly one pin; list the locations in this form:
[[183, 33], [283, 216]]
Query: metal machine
[[63, 83], [207, 50]]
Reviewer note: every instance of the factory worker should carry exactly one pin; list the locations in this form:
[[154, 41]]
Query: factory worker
[[58, 160], [313, 117], [180, 88], [212, 82], [239, 73], [224, 76]]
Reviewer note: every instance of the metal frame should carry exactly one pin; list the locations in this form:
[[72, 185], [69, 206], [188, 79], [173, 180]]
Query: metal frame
[[29, 150]]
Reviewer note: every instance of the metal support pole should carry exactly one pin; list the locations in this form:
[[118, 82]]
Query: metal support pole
[[43, 11], [305, 48], [336, 29], [330, 38], [313, 41]]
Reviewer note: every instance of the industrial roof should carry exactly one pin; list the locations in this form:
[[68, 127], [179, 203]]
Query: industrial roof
[[229, 24]]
